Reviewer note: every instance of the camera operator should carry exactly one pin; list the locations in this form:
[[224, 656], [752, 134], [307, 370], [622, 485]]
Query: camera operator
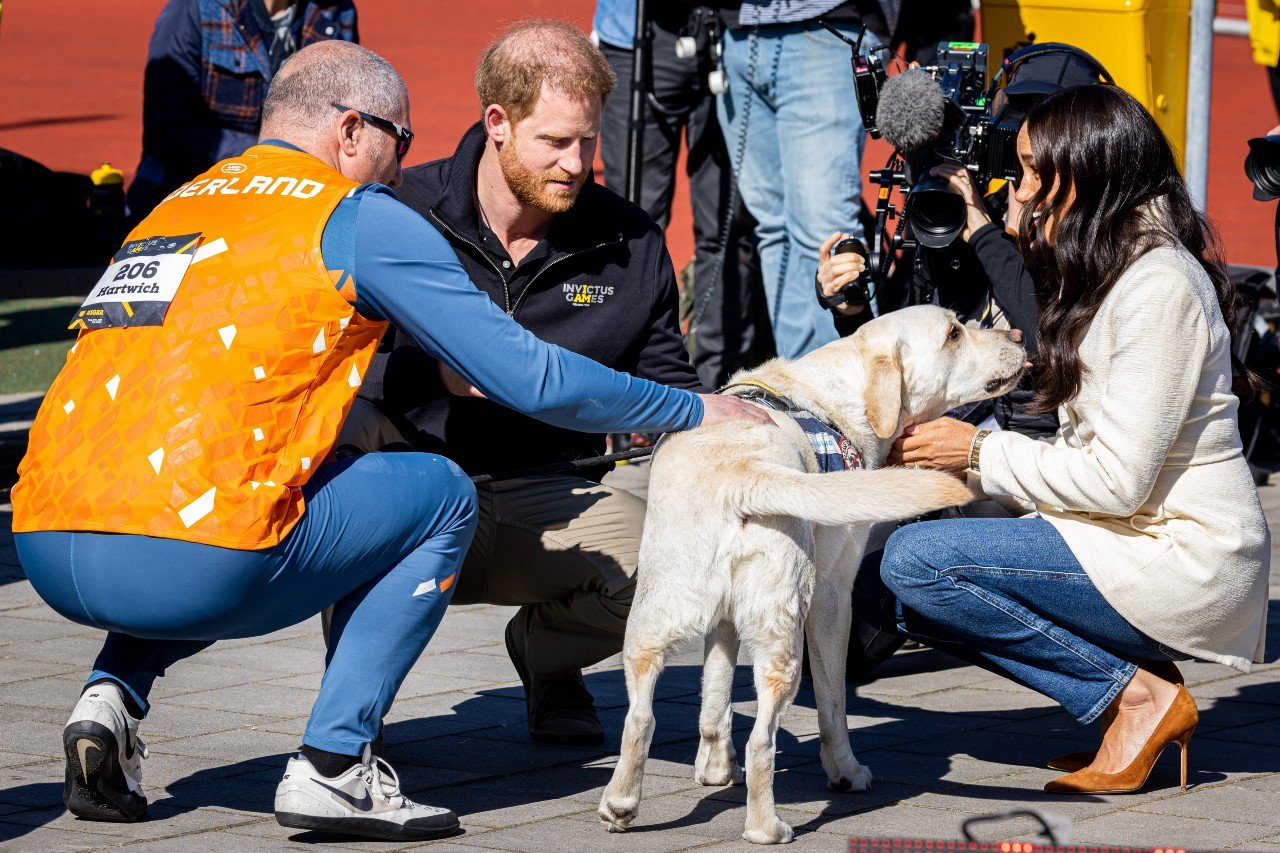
[[1259, 346], [979, 275]]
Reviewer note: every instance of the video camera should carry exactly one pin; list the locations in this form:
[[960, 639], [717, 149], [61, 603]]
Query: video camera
[[1262, 167], [947, 112], [934, 114]]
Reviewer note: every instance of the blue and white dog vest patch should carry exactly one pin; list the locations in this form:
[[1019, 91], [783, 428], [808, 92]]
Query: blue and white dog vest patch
[[835, 452]]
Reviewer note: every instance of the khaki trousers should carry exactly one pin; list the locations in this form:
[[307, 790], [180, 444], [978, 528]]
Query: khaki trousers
[[562, 549]]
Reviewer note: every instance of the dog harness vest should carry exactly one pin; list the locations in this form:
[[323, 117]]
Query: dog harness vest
[[204, 425], [835, 452]]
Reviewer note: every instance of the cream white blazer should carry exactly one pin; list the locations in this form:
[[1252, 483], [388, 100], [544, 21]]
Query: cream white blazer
[[1146, 480]]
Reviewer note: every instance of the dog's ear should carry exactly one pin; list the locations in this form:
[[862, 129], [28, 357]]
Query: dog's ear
[[883, 393]]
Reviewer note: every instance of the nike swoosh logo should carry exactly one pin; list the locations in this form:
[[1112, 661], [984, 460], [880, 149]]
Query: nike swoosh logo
[[82, 746], [363, 804]]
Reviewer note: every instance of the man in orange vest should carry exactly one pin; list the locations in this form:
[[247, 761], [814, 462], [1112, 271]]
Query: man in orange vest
[[178, 488]]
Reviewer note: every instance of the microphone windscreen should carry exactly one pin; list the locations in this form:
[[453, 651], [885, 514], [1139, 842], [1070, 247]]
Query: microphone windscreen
[[911, 111]]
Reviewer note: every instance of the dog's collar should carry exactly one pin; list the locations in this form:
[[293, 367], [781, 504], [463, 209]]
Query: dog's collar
[[757, 390], [834, 451]]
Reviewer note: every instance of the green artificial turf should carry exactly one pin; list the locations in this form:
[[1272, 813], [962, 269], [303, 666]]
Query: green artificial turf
[[34, 340]]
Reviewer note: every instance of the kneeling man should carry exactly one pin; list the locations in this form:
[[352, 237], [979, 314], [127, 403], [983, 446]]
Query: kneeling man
[[581, 268], [178, 488]]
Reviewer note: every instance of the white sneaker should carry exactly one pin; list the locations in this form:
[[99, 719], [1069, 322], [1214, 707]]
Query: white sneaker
[[364, 801], [104, 758]]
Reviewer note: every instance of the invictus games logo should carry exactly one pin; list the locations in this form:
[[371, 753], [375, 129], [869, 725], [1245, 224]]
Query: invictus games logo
[[582, 295]]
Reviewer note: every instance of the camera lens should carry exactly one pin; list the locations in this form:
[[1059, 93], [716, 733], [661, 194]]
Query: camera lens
[[1263, 167], [936, 213]]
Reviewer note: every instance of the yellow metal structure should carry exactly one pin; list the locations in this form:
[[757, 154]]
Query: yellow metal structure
[[1264, 31], [1143, 43]]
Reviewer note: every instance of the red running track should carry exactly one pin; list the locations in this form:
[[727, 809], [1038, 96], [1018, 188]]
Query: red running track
[[71, 92]]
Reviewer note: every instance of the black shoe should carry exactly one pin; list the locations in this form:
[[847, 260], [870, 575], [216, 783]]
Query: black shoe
[[104, 759], [560, 709]]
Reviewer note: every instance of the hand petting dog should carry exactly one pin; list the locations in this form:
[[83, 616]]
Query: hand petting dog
[[941, 444]]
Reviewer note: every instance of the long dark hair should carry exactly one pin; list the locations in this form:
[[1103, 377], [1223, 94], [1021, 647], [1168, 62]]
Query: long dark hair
[[1129, 198]]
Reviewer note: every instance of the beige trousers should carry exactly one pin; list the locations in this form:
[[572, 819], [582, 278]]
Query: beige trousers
[[562, 549]]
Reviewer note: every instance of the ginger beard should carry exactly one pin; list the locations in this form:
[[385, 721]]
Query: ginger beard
[[535, 188]]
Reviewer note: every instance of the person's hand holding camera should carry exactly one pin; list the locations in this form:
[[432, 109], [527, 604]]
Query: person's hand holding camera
[[835, 272], [961, 181]]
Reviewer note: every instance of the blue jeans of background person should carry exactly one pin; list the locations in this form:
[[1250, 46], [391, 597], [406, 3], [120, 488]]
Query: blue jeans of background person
[[1008, 595], [795, 139], [383, 537]]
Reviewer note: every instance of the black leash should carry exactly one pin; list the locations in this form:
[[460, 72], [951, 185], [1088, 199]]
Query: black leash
[[563, 467]]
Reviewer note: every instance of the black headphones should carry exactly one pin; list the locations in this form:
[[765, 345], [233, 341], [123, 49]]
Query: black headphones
[[1030, 51]]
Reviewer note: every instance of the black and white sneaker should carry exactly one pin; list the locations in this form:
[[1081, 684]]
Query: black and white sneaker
[[104, 758], [364, 801]]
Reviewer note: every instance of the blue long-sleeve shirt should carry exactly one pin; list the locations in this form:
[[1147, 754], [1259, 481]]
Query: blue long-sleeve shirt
[[406, 272]]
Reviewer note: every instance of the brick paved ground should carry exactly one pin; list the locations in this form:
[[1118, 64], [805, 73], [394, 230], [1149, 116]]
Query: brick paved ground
[[945, 741]]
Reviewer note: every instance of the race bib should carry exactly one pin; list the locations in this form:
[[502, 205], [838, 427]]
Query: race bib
[[139, 285]]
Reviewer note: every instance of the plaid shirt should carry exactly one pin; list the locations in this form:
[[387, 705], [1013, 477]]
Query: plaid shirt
[[236, 65], [834, 451], [208, 68]]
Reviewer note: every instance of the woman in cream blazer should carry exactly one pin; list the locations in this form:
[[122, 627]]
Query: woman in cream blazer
[[1145, 542]]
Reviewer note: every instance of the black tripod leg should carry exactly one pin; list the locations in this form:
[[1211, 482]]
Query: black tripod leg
[[639, 92]]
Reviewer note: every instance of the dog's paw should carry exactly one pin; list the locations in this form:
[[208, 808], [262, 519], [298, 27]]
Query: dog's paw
[[616, 812], [716, 764], [856, 779], [719, 776], [777, 833]]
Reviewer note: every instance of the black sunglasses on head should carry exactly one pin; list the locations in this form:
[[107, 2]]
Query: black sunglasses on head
[[404, 136]]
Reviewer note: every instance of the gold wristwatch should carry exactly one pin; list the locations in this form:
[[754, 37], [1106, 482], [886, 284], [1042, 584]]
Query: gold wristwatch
[[975, 449]]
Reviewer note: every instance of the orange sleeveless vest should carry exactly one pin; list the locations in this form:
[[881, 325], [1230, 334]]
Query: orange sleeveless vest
[[204, 428]]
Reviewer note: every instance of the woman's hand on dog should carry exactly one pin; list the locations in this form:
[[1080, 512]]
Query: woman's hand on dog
[[720, 408], [942, 445], [836, 272]]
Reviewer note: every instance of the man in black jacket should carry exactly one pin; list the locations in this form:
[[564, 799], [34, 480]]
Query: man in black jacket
[[582, 268]]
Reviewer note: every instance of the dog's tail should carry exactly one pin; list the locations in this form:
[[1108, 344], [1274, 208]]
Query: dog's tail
[[842, 497]]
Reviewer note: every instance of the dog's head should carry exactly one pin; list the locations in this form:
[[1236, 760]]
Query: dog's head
[[920, 362]]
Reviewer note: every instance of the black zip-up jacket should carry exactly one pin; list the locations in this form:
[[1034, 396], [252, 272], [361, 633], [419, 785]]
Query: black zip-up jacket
[[605, 289]]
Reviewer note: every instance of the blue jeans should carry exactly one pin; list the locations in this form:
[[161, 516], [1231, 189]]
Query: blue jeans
[[383, 538], [795, 138], [1008, 595]]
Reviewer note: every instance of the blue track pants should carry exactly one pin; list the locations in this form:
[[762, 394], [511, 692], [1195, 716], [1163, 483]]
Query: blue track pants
[[382, 539]]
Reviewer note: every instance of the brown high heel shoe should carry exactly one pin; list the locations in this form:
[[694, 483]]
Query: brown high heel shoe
[[1176, 726], [1167, 670]]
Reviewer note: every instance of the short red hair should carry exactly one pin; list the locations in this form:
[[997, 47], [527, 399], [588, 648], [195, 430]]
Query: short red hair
[[528, 54]]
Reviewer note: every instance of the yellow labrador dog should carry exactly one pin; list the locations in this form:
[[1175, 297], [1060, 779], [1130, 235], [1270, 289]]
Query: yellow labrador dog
[[745, 544]]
